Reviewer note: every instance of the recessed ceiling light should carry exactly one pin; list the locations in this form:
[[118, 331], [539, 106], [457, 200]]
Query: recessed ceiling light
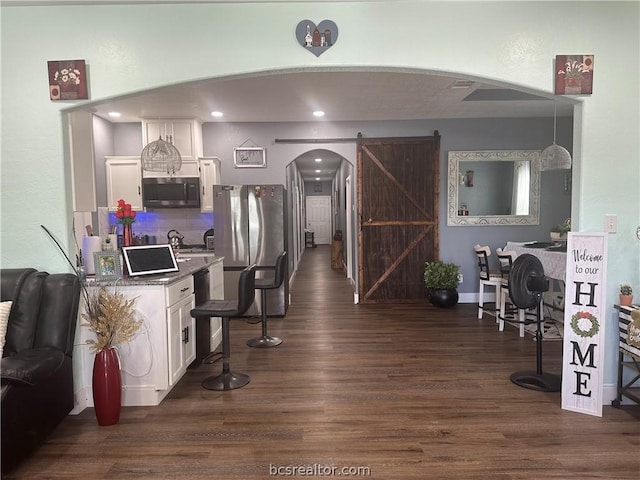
[[318, 159], [317, 179], [318, 171], [318, 113], [114, 114], [217, 114]]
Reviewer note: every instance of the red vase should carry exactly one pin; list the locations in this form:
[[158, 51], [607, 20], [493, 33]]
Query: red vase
[[107, 387], [127, 235]]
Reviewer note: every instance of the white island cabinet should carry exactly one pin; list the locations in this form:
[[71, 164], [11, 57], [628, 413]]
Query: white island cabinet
[[155, 360]]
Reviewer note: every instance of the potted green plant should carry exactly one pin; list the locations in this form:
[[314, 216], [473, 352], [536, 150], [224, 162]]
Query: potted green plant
[[441, 280], [626, 295], [559, 232]]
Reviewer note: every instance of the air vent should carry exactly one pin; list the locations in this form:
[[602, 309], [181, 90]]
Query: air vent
[[462, 84]]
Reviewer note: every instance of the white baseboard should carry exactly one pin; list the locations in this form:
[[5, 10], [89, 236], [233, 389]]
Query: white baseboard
[[468, 298], [81, 398], [474, 296], [610, 392]]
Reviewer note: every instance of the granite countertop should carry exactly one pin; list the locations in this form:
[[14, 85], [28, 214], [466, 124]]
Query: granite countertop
[[195, 248], [187, 265]]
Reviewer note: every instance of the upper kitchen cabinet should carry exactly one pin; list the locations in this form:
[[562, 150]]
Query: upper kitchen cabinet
[[184, 133], [209, 176], [124, 180]]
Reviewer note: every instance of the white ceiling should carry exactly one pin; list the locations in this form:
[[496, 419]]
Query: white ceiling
[[342, 95]]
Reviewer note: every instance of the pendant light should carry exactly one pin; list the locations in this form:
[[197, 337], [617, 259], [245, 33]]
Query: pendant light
[[161, 156], [555, 157]]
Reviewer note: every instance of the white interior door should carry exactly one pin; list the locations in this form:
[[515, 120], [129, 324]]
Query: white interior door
[[319, 219]]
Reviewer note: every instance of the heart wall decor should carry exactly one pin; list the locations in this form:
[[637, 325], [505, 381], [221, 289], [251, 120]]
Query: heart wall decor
[[317, 38]]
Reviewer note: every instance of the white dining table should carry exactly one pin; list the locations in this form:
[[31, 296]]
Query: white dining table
[[553, 262]]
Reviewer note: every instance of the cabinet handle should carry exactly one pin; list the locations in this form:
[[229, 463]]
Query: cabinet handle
[[138, 189], [184, 289], [185, 335]]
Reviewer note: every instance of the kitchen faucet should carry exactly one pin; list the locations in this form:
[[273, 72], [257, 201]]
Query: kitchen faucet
[[175, 238]]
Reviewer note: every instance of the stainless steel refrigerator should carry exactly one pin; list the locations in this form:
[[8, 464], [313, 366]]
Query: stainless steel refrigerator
[[250, 227]]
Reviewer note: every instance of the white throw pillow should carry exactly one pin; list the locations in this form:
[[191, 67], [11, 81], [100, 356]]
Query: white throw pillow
[[5, 309]]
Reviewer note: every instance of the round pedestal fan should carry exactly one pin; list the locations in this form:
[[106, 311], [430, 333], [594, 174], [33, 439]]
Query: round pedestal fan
[[527, 282]]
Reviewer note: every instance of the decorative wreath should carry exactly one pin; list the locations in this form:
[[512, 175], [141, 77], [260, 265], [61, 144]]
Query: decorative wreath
[[595, 326]]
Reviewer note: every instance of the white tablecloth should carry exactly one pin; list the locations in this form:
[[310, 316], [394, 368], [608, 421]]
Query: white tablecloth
[[554, 263]]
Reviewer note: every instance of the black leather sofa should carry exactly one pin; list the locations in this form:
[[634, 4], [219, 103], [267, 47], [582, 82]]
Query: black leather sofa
[[36, 368]]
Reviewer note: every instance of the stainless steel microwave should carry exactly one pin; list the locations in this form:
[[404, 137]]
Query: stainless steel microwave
[[171, 192]]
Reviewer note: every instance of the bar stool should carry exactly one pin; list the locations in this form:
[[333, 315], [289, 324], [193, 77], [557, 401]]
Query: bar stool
[[264, 284], [228, 309]]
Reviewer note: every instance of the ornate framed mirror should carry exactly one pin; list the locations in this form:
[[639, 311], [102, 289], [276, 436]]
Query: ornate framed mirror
[[493, 187]]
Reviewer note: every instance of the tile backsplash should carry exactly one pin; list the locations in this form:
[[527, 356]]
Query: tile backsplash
[[190, 222]]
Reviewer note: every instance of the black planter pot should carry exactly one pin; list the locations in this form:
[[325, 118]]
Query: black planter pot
[[443, 298]]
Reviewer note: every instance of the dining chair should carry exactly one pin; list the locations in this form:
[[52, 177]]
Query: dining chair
[[508, 311], [488, 278]]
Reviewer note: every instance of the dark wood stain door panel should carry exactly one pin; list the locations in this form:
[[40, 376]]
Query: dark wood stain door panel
[[398, 216]]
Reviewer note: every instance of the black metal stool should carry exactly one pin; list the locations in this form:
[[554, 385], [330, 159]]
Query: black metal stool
[[228, 309], [264, 284]]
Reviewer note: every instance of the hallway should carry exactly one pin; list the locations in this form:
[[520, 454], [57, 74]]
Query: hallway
[[387, 392]]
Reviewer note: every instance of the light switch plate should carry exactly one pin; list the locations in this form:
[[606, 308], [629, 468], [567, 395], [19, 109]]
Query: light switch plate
[[611, 223]]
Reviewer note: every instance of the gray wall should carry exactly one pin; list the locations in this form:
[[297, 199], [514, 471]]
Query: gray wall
[[311, 191]]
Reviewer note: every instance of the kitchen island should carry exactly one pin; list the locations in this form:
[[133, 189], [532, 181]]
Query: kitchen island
[[158, 356]]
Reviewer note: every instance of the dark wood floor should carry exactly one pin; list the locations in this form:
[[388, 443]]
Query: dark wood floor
[[400, 391]]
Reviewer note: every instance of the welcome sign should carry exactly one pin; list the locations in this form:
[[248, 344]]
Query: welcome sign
[[584, 322]]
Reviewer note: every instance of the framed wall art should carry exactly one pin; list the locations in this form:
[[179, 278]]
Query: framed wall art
[[574, 74], [107, 264], [249, 157], [67, 80]]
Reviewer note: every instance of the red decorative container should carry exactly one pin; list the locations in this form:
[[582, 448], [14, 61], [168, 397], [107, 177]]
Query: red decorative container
[[127, 235], [107, 387]]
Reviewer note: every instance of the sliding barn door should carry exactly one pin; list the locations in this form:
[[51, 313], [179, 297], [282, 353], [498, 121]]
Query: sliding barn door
[[397, 215]]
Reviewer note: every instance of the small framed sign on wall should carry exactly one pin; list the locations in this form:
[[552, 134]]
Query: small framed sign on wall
[[249, 157], [67, 80]]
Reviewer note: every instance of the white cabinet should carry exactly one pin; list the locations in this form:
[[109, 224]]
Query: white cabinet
[[157, 357], [124, 180], [209, 176], [184, 133], [181, 341]]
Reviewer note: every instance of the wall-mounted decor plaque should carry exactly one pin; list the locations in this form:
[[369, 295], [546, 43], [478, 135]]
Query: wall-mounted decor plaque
[[67, 80], [574, 74], [317, 38], [249, 157]]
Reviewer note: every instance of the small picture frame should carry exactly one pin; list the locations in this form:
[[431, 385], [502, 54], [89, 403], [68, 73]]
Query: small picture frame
[[249, 157], [107, 264], [67, 80]]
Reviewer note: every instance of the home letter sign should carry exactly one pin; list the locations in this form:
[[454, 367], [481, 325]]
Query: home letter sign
[[584, 322]]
